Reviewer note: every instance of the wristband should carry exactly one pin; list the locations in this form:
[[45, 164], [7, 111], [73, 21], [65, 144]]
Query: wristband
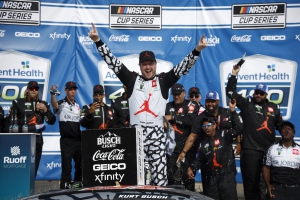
[[238, 142], [183, 152]]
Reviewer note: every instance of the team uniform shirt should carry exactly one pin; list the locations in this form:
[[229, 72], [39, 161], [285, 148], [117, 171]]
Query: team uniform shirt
[[183, 116], [120, 107], [260, 121], [284, 163], [68, 116], [100, 119]]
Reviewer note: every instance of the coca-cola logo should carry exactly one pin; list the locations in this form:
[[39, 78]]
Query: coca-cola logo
[[116, 154], [244, 38], [121, 38]]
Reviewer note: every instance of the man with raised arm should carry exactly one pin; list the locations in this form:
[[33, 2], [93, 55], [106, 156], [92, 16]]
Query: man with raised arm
[[147, 97]]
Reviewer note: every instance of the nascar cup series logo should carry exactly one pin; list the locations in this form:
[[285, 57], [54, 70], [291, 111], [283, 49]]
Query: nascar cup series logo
[[279, 74], [16, 70], [258, 16]]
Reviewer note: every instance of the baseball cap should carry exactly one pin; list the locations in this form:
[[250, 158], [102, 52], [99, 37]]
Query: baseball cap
[[208, 119], [194, 90], [32, 84], [98, 89], [70, 85], [177, 88], [287, 123], [213, 95], [146, 55], [262, 87]]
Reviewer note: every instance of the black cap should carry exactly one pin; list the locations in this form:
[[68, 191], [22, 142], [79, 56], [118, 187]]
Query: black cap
[[194, 90], [208, 119], [70, 85], [287, 123], [177, 88], [32, 84], [98, 89], [146, 55]]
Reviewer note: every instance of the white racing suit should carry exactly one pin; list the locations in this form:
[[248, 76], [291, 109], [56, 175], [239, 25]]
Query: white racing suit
[[147, 102]]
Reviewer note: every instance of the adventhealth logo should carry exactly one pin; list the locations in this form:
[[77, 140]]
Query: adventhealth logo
[[271, 68], [25, 64], [263, 76]]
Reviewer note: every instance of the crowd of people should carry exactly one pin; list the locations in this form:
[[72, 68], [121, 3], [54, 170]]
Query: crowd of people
[[204, 134]]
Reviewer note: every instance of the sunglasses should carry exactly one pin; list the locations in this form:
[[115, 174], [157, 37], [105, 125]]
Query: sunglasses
[[207, 125], [34, 89], [97, 94], [192, 96], [261, 93]]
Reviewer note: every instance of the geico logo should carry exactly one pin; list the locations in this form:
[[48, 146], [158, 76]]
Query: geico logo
[[272, 37], [27, 34], [150, 38], [22, 159], [111, 166]]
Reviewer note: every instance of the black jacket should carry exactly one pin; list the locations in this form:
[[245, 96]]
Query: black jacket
[[102, 118], [216, 153], [255, 135], [183, 116], [25, 106], [120, 107]]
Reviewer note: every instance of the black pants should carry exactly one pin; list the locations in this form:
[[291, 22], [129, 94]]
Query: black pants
[[222, 186], [285, 193], [70, 150], [38, 151], [251, 166]]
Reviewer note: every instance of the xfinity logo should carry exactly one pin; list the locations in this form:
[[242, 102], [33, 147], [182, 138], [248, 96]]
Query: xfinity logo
[[272, 37], [176, 38], [150, 38], [27, 34], [53, 165], [297, 36], [55, 35], [2, 33]]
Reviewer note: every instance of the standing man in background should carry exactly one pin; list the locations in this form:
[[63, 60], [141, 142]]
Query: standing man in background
[[97, 115], [1, 120], [181, 113], [195, 95], [261, 118], [68, 112], [36, 112], [120, 107], [147, 97]]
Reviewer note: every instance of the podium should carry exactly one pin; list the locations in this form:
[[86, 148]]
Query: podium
[[17, 170], [112, 155]]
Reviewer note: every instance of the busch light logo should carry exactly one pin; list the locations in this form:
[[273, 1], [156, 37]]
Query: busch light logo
[[109, 140], [213, 40], [278, 74], [85, 40]]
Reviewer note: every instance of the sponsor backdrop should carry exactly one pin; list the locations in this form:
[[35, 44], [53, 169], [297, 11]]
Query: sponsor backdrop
[[48, 41]]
